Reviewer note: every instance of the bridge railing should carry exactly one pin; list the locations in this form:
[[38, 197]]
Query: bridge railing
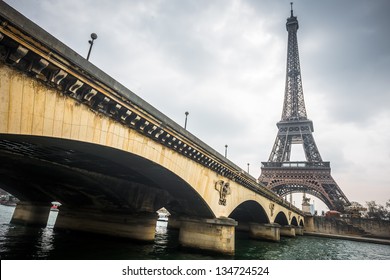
[[35, 52], [296, 164]]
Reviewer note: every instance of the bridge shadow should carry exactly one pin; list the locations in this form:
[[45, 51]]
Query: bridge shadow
[[82, 175]]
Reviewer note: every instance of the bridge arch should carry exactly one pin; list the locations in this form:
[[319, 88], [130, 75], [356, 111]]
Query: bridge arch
[[53, 168], [312, 187], [294, 221], [250, 211], [281, 219]]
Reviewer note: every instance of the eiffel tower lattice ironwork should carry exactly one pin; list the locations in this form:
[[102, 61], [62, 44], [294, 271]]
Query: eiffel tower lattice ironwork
[[313, 175]]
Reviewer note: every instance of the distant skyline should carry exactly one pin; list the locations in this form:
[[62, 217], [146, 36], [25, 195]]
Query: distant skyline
[[224, 62]]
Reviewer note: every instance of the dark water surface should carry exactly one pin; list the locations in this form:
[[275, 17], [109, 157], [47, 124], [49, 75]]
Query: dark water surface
[[21, 242]]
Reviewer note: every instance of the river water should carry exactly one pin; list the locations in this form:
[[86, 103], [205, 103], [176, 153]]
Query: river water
[[28, 243]]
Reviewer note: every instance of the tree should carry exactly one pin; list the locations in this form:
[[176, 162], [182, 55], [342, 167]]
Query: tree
[[377, 211], [354, 210]]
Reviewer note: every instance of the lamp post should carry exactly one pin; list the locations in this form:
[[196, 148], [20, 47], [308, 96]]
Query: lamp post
[[226, 146], [93, 37], [248, 167], [185, 122]]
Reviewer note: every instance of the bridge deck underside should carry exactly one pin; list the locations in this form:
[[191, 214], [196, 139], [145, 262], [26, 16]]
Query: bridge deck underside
[[42, 169]]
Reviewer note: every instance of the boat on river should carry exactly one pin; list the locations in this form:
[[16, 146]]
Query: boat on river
[[163, 215], [8, 200], [54, 206], [162, 218]]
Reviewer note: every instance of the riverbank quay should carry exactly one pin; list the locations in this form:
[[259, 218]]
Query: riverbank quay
[[350, 237]]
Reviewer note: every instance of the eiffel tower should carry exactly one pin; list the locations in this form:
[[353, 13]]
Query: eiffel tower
[[313, 175]]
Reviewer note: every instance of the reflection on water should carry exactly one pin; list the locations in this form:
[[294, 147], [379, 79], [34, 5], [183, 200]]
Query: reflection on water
[[45, 244], [20, 242], [161, 239]]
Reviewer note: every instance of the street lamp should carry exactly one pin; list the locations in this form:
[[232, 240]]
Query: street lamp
[[93, 37], [248, 167], [226, 146], [185, 123]]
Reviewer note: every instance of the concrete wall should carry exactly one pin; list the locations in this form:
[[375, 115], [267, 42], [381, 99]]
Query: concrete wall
[[348, 226], [376, 228]]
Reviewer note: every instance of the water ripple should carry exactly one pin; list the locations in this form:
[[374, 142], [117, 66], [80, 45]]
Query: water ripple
[[20, 242]]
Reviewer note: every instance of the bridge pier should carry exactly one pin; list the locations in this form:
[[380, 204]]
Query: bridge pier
[[298, 230], [243, 226], [309, 223], [208, 234], [173, 222], [139, 226], [27, 213], [264, 231], [288, 231]]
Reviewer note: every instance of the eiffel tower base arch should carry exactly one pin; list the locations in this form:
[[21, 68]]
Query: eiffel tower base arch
[[304, 177]]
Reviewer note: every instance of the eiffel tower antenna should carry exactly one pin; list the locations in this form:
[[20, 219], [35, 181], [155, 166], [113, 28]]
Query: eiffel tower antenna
[[313, 175]]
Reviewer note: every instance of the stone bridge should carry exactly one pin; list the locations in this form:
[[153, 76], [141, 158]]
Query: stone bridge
[[71, 133]]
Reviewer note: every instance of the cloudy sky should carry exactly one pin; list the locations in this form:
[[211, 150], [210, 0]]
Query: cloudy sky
[[224, 62]]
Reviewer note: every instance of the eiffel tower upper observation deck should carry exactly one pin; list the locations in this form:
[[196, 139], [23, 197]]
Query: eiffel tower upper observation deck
[[313, 175]]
